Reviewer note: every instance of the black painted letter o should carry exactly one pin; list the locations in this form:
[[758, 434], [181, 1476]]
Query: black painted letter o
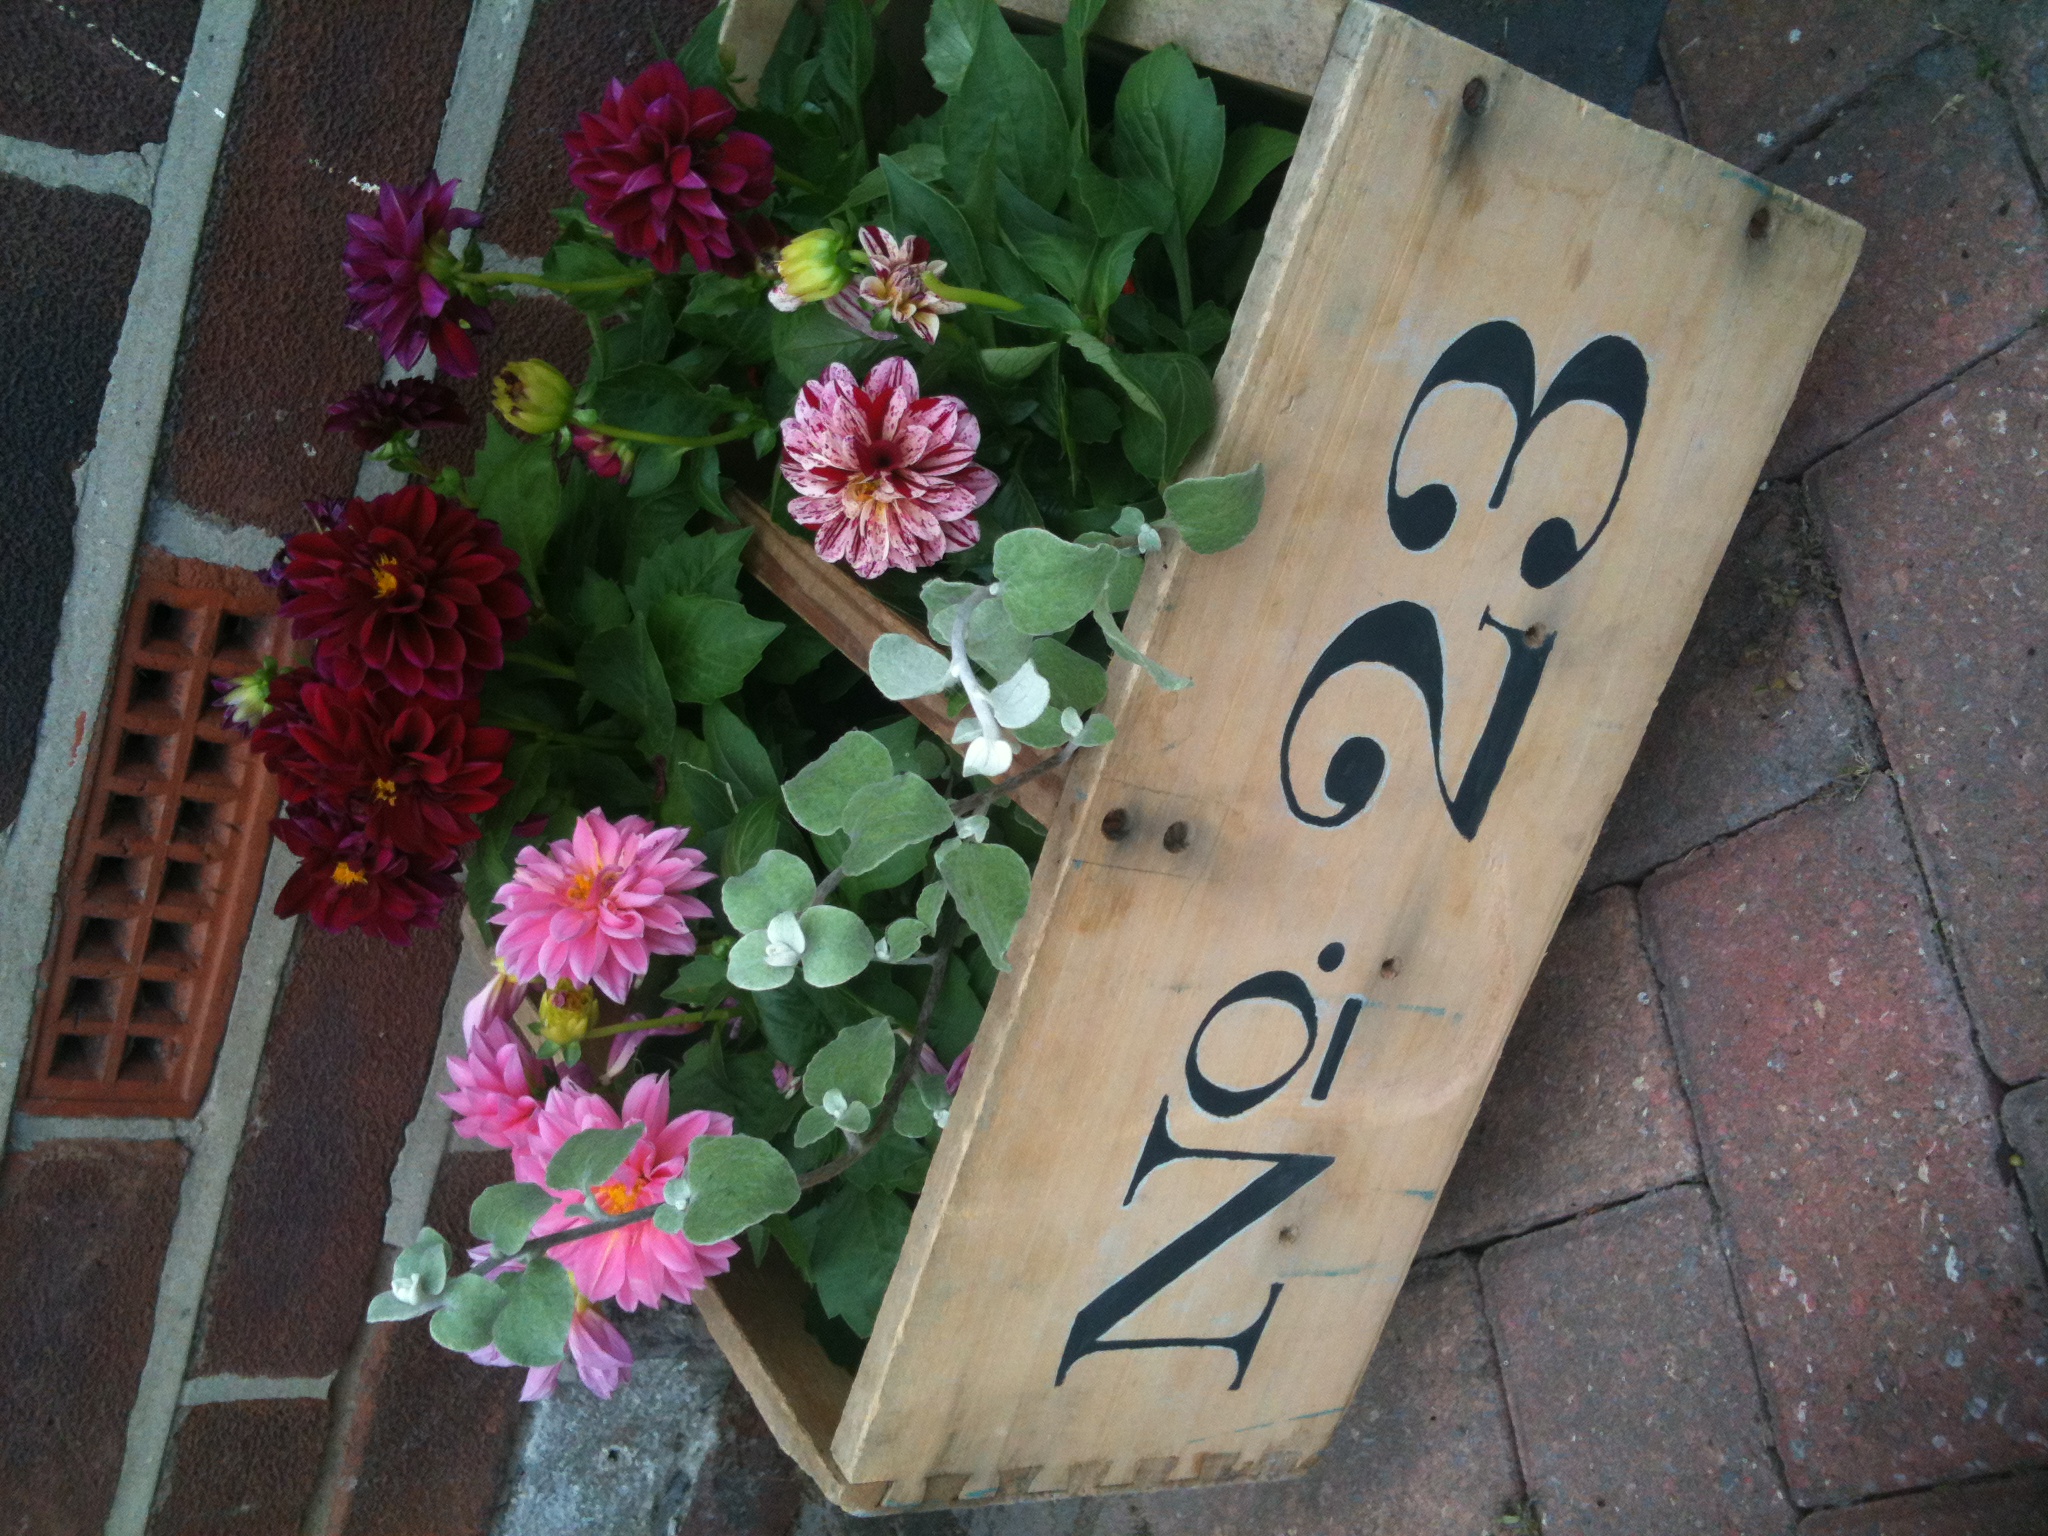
[[1227, 1103]]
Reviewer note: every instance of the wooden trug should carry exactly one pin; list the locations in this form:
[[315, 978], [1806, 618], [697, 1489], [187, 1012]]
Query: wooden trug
[[1436, 190]]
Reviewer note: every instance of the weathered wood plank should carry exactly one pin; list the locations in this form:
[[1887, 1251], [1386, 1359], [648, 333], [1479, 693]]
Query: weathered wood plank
[[1317, 986], [1278, 43]]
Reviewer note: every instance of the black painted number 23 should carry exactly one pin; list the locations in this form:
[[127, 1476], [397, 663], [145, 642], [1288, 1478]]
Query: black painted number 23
[[1609, 371]]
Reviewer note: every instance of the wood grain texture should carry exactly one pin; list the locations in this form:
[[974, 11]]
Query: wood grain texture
[[748, 37], [1279, 43], [1406, 221]]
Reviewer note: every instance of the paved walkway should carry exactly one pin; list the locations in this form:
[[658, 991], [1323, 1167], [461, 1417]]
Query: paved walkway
[[1740, 1242]]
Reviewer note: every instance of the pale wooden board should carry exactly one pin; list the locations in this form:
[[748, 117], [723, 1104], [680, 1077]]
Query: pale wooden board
[[1404, 223], [1278, 43]]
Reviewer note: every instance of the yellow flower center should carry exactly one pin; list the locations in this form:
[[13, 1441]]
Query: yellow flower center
[[384, 792], [591, 883], [346, 873], [618, 1197], [384, 576]]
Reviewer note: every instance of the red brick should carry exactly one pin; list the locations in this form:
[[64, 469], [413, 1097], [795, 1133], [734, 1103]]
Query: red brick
[[347, 1058], [1634, 1399], [94, 75], [1585, 1108], [2015, 1506], [1896, 1303], [573, 50], [1952, 266], [746, 1486], [1425, 1446], [542, 328], [1764, 709], [1748, 88], [241, 1469], [1935, 526], [2015, 38], [330, 96], [83, 1229], [437, 1429], [70, 258], [2024, 1116]]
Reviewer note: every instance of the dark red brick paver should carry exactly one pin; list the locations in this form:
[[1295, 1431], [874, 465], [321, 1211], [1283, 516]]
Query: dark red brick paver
[[1752, 76], [347, 1058], [1763, 710], [1894, 1298], [333, 99], [2004, 1506], [1953, 265], [1585, 1108], [1936, 526], [746, 1486], [83, 1229], [1634, 1398], [94, 75], [241, 1469]]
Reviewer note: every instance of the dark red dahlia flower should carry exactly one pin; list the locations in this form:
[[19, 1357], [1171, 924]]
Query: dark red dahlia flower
[[412, 591], [344, 880], [409, 772], [401, 277], [377, 413], [661, 175]]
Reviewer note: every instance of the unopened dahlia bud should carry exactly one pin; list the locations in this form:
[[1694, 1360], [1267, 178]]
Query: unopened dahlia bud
[[567, 1012], [813, 267], [532, 396], [247, 699]]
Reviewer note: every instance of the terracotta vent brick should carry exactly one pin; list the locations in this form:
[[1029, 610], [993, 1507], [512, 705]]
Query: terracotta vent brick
[[165, 858]]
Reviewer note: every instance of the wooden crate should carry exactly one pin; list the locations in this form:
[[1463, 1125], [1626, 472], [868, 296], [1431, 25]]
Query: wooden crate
[[1512, 365]]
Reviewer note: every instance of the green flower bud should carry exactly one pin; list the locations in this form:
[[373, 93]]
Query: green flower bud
[[814, 266], [532, 396]]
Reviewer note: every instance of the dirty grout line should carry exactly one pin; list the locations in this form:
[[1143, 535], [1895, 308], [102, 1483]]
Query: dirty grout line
[[129, 173]]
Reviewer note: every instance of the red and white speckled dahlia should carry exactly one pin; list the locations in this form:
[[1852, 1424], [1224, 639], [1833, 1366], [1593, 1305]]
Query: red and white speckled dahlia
[[886, 477]]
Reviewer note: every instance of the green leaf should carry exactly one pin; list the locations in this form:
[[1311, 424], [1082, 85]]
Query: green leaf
[[1180, 386], [780, 882], [1169, 127], [1122, 587], [702, 564], [901, 939], [1080, 21], [950, 35], [599, 604], [931, 901], [387, 1308], [700, 60], [1022, 699], [991, 885], [699, 983], [504, 1214], [854, 1249], [1217, 512], [1170, 680], [811, 340], [747, 967], [1112, 363], [995, 641], [1048, 584], [470, 1310], [732, 1183], [1007, 106], [649, 397], [920, 207], [1059, 252], [1250, 155], [1110, 269], [846, 56], [902, 668], [1009, 365], [758, 827], [737, 755], [837, 946], [622, 669], [533, 1327], [582, 259], [818, 794], [516, 487], [893, 814], [1077, 682], [707, 645], [422, 1269], [1096, 731], [857, 1062], [814, 1127], [1118, 205], [590, 1157]]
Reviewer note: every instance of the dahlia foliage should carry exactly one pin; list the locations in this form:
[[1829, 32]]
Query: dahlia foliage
[[963, 357]]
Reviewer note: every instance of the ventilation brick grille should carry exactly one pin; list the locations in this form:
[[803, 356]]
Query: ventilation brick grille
[[165, 860]]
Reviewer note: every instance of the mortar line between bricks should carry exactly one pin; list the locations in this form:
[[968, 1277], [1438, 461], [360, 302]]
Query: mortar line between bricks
[[1478, 1246], [1830, 113], [129, 173], [227, 1387], [202, 1199], [110, 504], [1500, 1383]]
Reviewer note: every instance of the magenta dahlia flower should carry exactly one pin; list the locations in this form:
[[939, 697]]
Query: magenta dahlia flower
[[601, 903], [376, 413], [345, 881], [411, 592], [401, 277], [640, 1265], [887, 479], [497, 1091], [661, 175]]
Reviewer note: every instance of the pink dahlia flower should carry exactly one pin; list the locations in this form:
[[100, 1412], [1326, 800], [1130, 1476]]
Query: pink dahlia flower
[[600, 904], [401, 277], [497, 1086], [600, 1353], [640, 1265], [886, 478], [661, 175], [897, 290]]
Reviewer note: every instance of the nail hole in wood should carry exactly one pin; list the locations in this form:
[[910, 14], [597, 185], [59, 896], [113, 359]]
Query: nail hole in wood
[[1116, 826], [1535, 634], [1759, 223], [1390, 967], [1288, 1234], [1176, 837], [1475, 96]]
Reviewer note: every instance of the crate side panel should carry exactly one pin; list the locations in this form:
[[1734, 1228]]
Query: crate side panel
[[1214, 1104]]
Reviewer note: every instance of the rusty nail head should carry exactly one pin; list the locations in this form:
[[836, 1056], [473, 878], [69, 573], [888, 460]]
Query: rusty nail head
[[1176, 837], [1475, 96], [1116, 826]]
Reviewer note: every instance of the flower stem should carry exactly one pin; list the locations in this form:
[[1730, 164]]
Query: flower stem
[[632, 277], [974, 805], [963, 669], [970, 295], [542, 664], [666, 1020], [662, 440]]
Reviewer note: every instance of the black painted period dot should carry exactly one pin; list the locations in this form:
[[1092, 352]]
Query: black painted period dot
[[1331, 957]]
